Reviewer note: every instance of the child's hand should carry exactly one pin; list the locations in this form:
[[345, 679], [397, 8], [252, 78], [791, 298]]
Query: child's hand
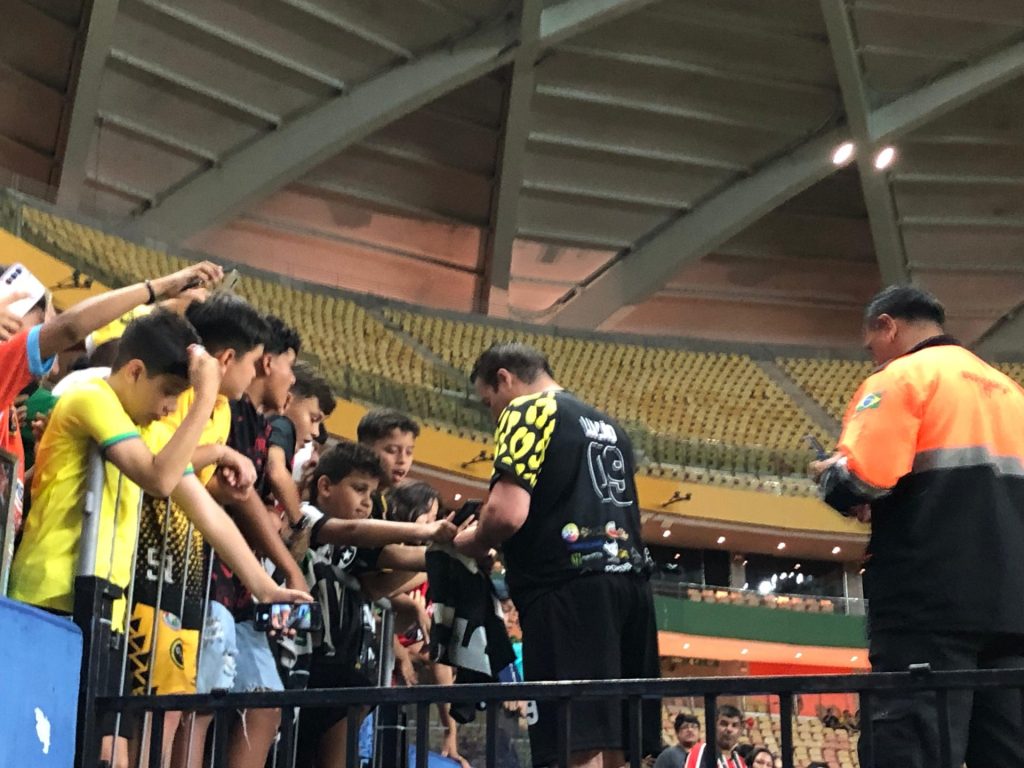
[[39, 422], [204, 273], [280, 622], [240, 472], [442, 530], [203, 371], [10, 323]]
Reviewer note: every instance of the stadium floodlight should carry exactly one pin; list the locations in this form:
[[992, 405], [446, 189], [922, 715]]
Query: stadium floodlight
[[721, 539], [836, 550], [666, 533], [843, 153], [885, 158], [782, 545]]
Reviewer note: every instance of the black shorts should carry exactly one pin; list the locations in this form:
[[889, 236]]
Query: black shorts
[[314, 723], [111, 685], [598, 627]]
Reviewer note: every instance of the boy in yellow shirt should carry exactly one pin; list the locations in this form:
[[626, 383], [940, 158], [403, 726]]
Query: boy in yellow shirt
[[159, 357]]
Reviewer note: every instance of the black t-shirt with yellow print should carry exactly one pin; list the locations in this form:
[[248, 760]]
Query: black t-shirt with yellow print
[[577, 465]]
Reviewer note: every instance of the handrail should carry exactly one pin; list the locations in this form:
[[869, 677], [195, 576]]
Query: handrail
[[661, 688]]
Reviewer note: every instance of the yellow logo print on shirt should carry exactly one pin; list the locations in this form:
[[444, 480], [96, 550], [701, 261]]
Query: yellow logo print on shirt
[[523, 435]]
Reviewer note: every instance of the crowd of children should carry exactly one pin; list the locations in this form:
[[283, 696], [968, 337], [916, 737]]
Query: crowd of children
[[221, 493]]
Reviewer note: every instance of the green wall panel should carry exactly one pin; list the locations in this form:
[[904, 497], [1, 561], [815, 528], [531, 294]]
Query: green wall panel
[[770, 625]]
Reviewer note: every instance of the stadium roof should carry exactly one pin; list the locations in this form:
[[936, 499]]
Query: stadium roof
[[660, 167]]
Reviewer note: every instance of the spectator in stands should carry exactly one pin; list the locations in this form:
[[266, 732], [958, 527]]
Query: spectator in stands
[[760, 757], [392, 436], [414, 502], [687, 728], [728, 727], [932, 453], [34, 340], [155, 364], [310, 403], [344, 481], [418, 502], [230, 635], [233, 333], [831, 718], [563, 507], [847, 721]]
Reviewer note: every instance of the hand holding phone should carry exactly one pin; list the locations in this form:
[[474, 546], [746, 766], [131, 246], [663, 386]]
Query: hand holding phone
[[281, 617], [17, 280], [471, 509], [817, 447]]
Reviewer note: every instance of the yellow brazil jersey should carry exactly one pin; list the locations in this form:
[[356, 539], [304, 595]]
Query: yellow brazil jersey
[[170, 563], [46, 561], [115, 329], [215, 432]]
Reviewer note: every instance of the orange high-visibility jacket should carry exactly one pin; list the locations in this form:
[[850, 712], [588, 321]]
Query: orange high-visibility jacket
[[934, 441]]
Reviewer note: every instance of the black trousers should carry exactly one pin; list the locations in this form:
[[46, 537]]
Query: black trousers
[[986, 727]]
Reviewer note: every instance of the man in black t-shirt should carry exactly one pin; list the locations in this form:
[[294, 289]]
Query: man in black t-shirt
[[563, 508]]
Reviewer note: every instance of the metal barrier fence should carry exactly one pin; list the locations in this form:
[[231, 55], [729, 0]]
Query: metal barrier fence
[[631, 692], [95, 597]]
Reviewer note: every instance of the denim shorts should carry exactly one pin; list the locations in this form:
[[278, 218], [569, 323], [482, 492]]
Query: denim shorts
[[235, 656]]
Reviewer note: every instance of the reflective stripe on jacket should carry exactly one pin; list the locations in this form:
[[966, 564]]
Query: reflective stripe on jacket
[[934, 441]]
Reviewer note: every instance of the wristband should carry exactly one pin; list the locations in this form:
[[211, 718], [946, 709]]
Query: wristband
[[300, 525], [152, 293]]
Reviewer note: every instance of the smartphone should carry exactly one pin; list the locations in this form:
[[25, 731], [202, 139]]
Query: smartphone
[[227, 285], [18, 278], [817, 447], [470, 509], [302, 617]]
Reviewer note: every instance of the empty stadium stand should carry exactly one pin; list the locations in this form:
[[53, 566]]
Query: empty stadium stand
[[699, 416], [748, 597], [719, 399], [832, 383]]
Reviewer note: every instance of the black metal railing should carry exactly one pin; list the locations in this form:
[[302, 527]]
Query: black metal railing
[[631, 692]]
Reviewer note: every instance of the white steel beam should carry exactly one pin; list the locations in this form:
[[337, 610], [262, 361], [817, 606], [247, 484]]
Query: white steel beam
[[878, 198], [641, 271], [285, 154], [945, 94], [493, 296], [95, 38], [1004, 337]]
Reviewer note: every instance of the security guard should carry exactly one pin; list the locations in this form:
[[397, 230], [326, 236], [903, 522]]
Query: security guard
[[932, 453]]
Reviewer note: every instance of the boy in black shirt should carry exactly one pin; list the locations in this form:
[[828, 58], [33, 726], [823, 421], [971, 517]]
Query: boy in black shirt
[[235, 656], [310, 403], [391, 435], [563, 508], [344, 481]]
